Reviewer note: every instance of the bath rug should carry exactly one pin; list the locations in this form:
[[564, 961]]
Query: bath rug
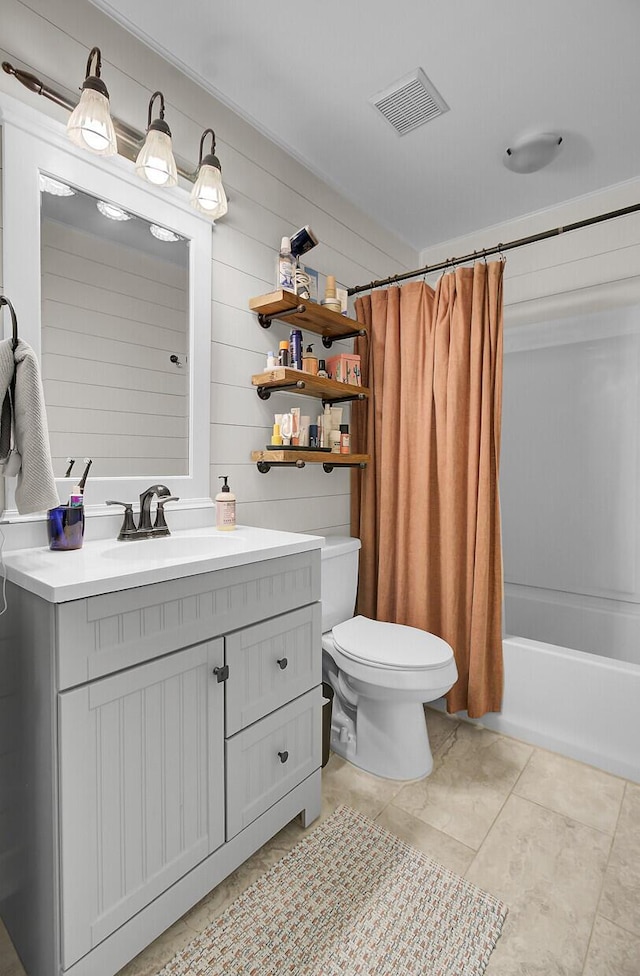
[[350, 899]]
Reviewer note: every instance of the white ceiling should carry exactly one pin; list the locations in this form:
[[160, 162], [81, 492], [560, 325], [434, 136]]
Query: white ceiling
[[303, 73]]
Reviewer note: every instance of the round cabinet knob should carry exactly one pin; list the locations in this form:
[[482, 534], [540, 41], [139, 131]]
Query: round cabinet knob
[[283, 756], [282, 663]]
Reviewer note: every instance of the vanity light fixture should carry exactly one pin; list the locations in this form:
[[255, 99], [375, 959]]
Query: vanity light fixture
[[208, 194], [90, 125], [155, 162], [164, 234], [55, 187], [111, 211]]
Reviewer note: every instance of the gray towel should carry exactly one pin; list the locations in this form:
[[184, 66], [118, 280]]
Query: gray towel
[[36, 487]]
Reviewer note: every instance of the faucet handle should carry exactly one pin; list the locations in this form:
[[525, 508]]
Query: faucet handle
[[128, 529], [161, 523]]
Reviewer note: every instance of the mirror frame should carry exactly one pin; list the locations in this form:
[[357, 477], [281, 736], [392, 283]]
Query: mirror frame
[[34, 143]]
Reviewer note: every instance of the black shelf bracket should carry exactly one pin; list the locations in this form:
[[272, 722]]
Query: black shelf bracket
[[356, 464], [265, 466], [342, 399], [264, 392], [266, 320], [327, 341]]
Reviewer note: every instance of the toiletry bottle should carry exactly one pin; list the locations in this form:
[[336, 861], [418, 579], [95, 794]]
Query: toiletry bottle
[[345, 439], [286, 266], [322, 369], [283, 355], [276, 436], [330, 299], [326, 426], [225, 507], [334, 441], [295, 349], [309, 361], [272, 361]]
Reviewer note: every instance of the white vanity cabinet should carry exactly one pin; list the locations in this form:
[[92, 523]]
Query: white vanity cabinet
[[167, 731]]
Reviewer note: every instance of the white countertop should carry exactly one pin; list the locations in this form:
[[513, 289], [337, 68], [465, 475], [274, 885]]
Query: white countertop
[[107, 565]]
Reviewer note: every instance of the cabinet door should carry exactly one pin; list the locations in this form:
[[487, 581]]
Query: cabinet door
[[141, 788]]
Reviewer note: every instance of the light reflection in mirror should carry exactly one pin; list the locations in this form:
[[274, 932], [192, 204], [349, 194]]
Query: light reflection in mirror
[[114, 318]]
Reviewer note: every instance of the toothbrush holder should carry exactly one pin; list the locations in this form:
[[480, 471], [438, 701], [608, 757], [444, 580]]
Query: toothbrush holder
[[65, 527]]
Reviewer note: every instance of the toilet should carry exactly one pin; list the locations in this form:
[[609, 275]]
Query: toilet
[[381, 675]]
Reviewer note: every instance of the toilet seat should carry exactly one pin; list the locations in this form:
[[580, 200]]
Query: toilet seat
[[393, 647]]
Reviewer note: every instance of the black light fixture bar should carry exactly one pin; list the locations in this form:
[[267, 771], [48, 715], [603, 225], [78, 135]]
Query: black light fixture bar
[[129, 139]]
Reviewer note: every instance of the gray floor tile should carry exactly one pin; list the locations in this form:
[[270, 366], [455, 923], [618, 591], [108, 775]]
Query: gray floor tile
[[613, 952], [549, 871], [569, 787], [620, 901], [473, 774]]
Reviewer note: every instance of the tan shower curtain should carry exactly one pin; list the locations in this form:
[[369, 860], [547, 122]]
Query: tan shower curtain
[[426, 507]]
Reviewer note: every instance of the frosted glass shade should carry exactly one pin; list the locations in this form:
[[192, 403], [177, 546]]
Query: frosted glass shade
[[90, 125], [155, 162], [208, 194]]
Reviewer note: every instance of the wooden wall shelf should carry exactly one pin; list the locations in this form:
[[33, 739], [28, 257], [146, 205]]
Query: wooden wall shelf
[[305, 315], [306, 384], [290, 457]]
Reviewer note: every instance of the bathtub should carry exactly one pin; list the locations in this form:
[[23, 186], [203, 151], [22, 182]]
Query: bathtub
[[579, 704]]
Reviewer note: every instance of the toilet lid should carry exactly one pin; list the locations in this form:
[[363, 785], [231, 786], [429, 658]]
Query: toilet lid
[[394, 646]]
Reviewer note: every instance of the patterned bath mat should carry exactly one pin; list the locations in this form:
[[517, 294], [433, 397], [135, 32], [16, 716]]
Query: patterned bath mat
[[350, 900]]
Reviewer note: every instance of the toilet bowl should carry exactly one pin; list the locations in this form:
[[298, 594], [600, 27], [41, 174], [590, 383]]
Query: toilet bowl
[[381, 674]]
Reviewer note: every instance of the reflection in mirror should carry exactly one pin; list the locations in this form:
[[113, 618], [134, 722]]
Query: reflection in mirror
[[115, 334]]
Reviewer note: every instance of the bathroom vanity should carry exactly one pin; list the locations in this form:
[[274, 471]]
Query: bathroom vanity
[[165, 710]]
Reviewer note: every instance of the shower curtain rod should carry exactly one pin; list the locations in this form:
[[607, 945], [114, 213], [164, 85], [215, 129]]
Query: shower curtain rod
[[485, 252]]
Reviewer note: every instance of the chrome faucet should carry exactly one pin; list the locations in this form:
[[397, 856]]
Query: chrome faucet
[[145, 530]]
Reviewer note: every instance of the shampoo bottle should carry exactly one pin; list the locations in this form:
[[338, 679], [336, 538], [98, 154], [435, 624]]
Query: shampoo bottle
[[225, 507]]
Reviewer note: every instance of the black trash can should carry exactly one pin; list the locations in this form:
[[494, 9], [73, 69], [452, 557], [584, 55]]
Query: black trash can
[[327, 694]]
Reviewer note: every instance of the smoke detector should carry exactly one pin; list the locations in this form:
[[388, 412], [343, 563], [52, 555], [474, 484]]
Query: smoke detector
[[410, 102]]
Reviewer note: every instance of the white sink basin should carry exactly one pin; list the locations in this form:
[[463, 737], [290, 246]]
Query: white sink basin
[[171, 548]]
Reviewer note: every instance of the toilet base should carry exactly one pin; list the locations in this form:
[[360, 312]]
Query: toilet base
[[390, 739]]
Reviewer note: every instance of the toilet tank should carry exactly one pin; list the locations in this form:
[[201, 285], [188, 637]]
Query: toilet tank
[[339, 579]]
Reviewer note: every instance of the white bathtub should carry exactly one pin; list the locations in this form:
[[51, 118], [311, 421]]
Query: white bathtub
[[572, 702]]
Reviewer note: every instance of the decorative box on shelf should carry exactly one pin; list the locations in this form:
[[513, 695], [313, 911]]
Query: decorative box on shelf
[[345, 368]]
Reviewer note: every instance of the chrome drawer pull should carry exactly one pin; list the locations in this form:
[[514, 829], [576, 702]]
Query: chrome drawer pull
[[282, 663], [283, 756]]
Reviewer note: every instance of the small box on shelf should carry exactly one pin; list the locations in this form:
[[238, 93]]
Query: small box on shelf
[[345, 368]]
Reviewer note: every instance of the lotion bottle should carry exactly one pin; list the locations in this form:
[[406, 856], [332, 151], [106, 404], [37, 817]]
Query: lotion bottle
[[225, 507]]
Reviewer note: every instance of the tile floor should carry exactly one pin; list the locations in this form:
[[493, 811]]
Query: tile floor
[[558, 841]]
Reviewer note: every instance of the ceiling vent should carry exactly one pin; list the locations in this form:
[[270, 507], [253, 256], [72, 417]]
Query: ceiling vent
[[410, 102]]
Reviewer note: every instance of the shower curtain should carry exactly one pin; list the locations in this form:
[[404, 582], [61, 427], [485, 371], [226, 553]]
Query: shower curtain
[[426, 507]]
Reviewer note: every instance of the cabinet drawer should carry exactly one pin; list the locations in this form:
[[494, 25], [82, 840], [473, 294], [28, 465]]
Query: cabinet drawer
[[271, 664], [103, 634], [256, 775]]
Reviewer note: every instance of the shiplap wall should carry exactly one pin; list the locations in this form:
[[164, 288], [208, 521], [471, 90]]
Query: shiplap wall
[[270, 194], [111, 318], [595, 267]]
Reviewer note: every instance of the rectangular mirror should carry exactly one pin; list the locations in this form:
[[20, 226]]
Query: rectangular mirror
[[120, 319], [115, 336]]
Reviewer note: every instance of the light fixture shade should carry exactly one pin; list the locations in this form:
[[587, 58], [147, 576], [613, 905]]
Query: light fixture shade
[[90, 125], [155, 162], [208, 194], [533, 152]]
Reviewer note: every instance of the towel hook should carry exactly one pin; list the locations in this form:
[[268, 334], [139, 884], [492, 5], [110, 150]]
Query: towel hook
[[14, 321]]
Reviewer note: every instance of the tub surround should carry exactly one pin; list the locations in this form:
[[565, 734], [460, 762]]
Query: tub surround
[[167, 718]]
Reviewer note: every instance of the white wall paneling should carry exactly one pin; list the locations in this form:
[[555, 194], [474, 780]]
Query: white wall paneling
[[270, 193]]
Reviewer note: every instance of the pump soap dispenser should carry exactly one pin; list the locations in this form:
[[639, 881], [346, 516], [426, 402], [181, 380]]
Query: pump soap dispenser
[[225, 507]]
